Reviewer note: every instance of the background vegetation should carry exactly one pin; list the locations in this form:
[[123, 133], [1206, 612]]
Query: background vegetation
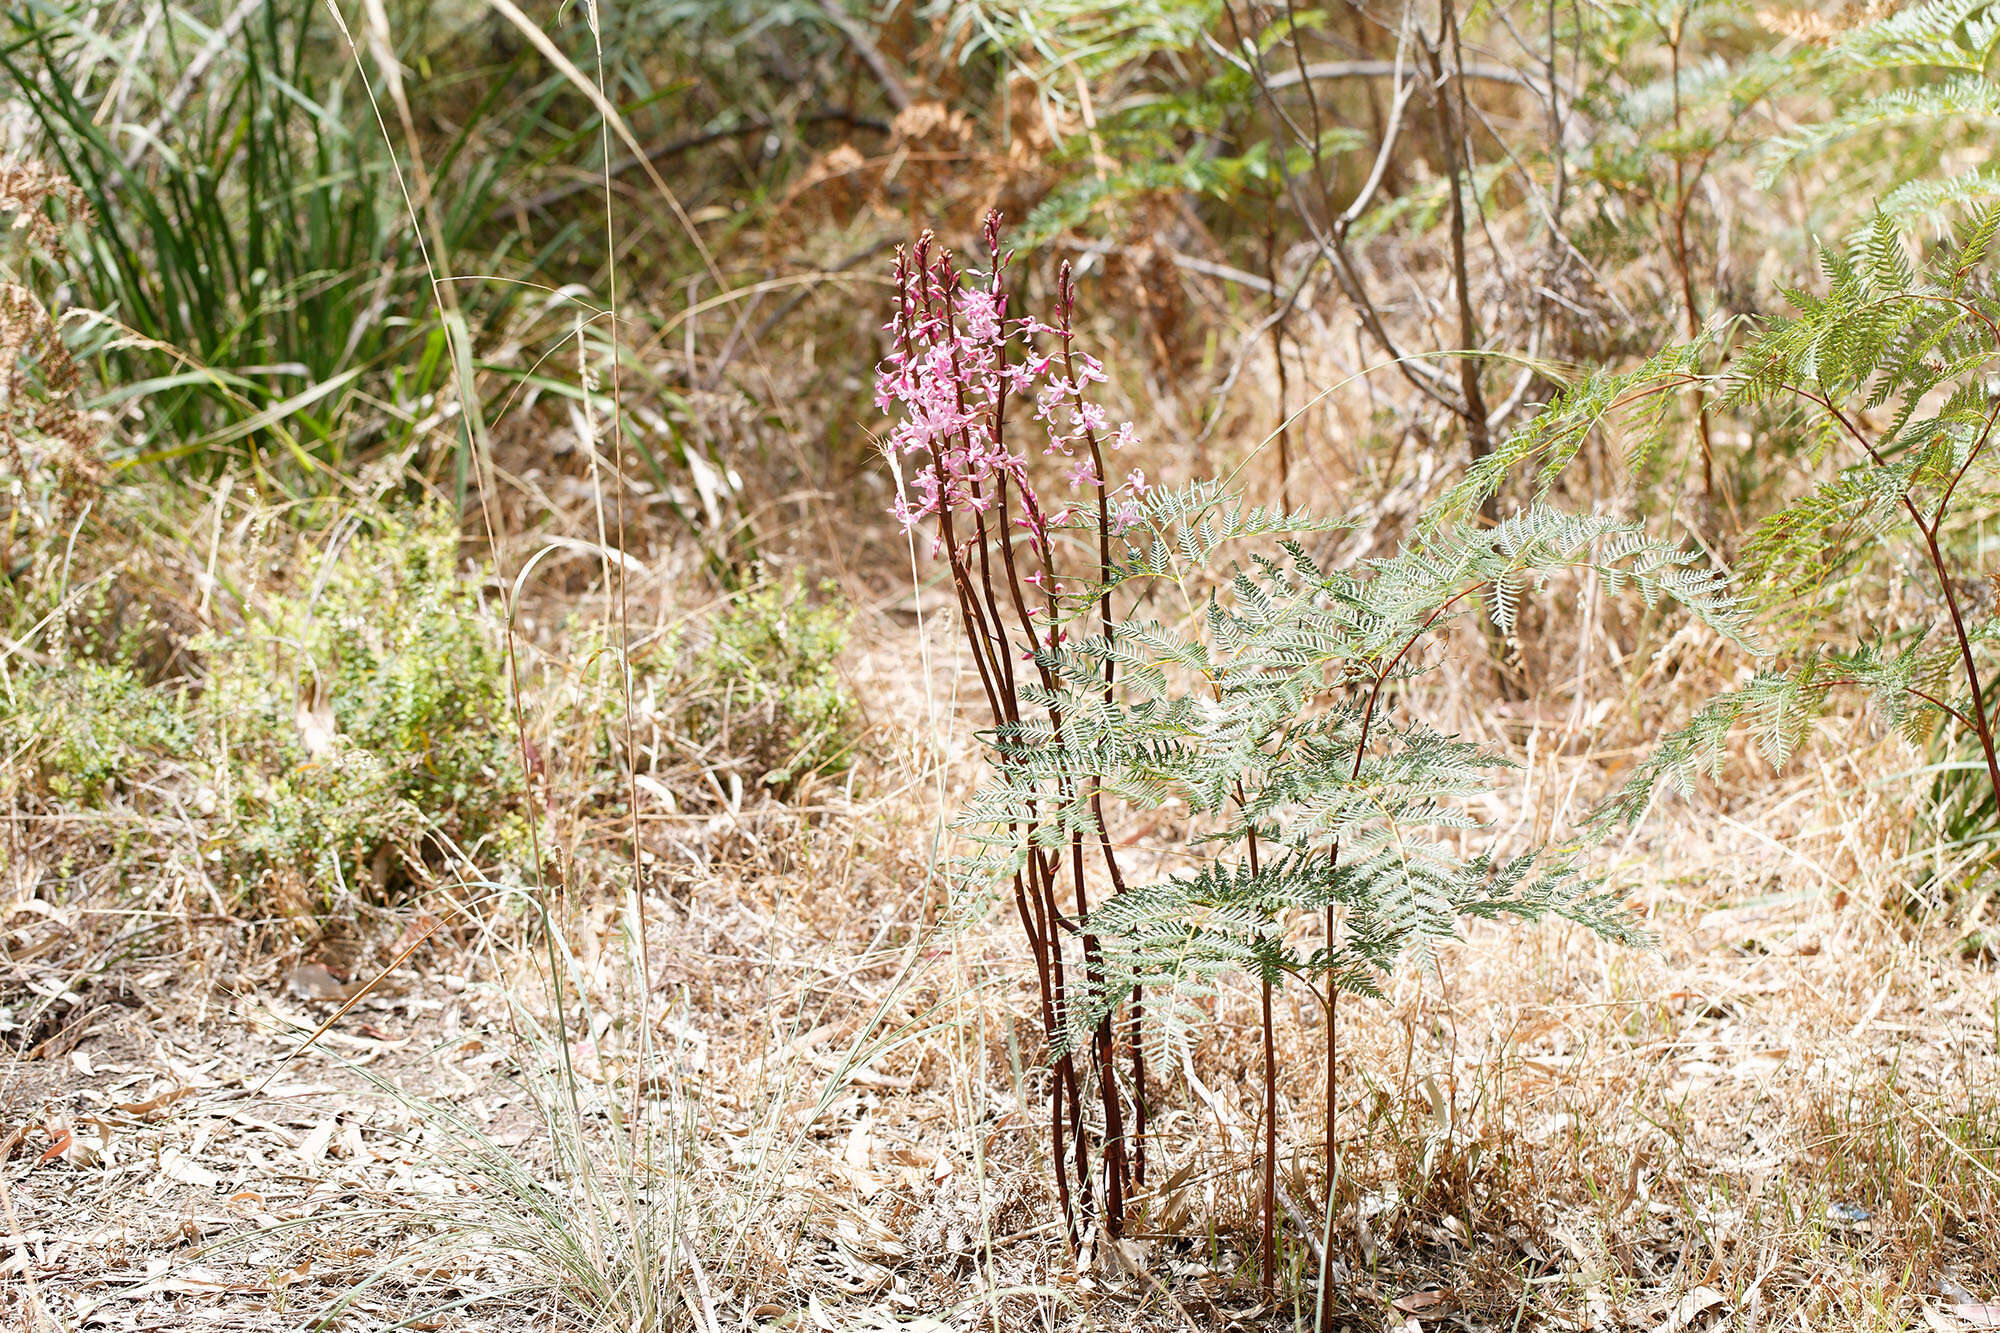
[[448, 533]]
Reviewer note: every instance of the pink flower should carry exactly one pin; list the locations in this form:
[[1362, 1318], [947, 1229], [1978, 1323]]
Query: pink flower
[[955, 360], [1088, 416]]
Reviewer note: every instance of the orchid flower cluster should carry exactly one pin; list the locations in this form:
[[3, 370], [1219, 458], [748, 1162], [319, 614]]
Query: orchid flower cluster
[[957, 362]]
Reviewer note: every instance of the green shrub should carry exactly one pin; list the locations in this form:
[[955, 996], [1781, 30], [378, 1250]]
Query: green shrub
[[744, 696], [362, 723], [74, 730], [767, 688], [354, 735], [353, 732]]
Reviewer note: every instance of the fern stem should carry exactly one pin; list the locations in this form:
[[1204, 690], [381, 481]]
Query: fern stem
[[1332, 1101], [1971, 457], [1138, 1086], [1965, 656], [1269, 1250], [1925, 695], [1928, 530]]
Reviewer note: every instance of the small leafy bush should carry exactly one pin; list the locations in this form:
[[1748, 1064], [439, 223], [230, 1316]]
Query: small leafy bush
[[755, 692], [76, 731], [362, 717], [352, 734], [772, 673]]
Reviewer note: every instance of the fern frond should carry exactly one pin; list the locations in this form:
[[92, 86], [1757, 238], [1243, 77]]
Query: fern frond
[[1554, 436], [1778, 710], [1936, 201], [1965, 96], [1942, 34]]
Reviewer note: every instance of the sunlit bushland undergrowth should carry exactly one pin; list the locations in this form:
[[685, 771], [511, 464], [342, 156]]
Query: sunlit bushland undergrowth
[[1394, 726]]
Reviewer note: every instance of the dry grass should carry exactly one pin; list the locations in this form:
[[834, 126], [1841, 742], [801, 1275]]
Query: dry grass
[[1783, 1117]]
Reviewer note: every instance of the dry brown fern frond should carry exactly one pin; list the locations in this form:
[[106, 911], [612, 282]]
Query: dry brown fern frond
[[39, 383], [26, 189], [43, 426], [1814, 28]]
